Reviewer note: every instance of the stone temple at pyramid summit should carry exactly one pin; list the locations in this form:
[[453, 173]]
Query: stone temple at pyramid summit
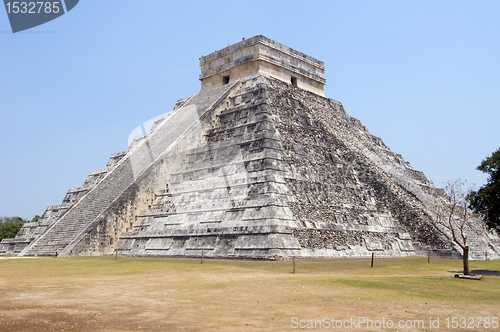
[[259, 164]]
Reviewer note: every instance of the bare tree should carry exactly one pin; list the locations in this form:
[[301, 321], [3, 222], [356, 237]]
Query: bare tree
[[452, 212]]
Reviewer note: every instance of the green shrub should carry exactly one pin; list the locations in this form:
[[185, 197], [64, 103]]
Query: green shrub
[[9, 230]]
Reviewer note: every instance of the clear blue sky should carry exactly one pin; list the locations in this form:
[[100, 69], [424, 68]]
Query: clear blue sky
[[422, 75]]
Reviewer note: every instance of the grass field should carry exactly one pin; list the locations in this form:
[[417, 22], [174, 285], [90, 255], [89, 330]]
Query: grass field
[[178, 294]]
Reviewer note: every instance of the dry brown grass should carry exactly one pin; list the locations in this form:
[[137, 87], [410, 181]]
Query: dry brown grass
[[171, 294]]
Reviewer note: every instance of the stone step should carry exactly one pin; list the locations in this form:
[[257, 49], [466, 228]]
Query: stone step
[[80, 217], [125, 168]]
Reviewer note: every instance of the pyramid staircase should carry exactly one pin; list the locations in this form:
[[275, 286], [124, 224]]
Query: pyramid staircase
[[94, 202], [33, 230]]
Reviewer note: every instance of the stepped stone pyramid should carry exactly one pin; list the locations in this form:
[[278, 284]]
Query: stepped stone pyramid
[[258, 164]]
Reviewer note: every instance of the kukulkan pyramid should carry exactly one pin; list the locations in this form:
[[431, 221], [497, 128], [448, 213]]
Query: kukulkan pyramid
[[258, 164]]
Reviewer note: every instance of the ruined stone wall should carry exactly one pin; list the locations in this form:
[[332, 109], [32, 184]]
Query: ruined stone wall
[[338, 186], [262, 55]]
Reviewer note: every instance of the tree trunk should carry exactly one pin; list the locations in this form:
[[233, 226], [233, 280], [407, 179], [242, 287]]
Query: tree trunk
[[466, 260]]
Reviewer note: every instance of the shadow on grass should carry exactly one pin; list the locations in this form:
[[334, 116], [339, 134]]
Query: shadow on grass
[[481, 272], [487, 273]]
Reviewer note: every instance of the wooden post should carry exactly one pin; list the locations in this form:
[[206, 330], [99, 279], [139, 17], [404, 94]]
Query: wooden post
[[486, 254], [202, 253], [116, 254], [294, 264], [372, 259], [428, 256]]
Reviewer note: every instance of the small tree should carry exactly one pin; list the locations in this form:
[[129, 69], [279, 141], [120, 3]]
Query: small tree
[[453, 213]]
